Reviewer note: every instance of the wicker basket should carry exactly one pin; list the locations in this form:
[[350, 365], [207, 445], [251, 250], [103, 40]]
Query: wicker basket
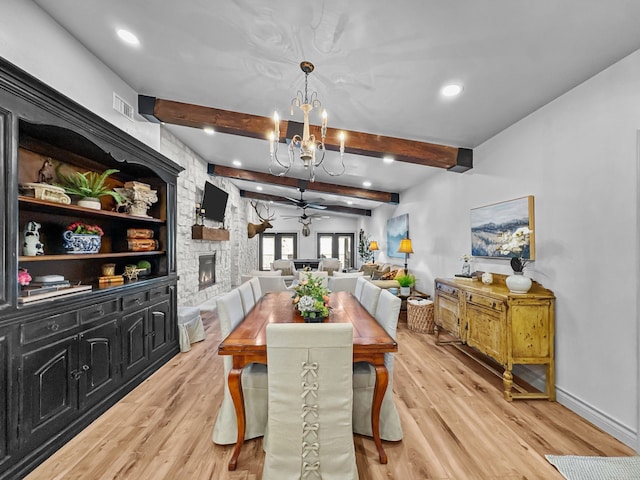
[[420, 315]]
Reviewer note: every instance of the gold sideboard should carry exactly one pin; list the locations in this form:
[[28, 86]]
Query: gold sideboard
[[511, 328]]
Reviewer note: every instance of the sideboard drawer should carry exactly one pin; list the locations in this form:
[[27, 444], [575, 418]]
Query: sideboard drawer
[[39, 329], [98, 311], [159, 292], [447, 289], [484, 301], [135, 300]]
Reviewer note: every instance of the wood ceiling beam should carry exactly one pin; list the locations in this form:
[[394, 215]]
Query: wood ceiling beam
[[330, 208], [254, 126], [260, 177]]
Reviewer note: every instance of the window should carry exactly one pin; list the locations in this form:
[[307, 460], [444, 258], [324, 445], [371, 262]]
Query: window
[[274, 246], [337, 245]]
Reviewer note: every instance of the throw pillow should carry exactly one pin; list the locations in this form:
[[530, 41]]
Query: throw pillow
[[368, 269], [399, 272], [286, 271], [389, 275]]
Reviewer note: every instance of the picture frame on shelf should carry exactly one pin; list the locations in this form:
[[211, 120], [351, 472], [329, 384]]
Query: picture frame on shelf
[[491, 223]]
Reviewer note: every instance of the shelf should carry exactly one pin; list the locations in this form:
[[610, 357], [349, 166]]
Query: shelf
[[45, 206], [200, 232], [85, 256]]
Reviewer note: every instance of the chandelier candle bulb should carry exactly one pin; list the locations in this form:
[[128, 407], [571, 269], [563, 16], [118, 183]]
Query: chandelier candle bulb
[[341, 142], [276, 121], [271, 139]]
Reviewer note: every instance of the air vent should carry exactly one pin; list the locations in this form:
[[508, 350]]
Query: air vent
[[119, 105]]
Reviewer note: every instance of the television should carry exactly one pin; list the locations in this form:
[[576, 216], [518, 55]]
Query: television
[[214, 202]]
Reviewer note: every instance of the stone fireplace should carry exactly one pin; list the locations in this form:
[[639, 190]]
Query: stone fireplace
[[207, 271]]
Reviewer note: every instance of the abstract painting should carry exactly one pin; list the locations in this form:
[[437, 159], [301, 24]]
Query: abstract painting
[[397, 229], [490, 224]]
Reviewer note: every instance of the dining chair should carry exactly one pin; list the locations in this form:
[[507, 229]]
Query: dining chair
[[369, 297], [272, 284], [346, 284], [359, 285], [254, 382], [323, 276], [364, 379], [246, 295], [309, 432], [255, 287]]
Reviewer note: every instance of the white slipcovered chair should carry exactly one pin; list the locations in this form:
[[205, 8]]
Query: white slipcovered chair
[[369, 297], [310, 402], [364, 379], [272, 284], [288, 269], [246, 294], [260, 273], [329, 265], [360, 282], [342, 284], [255, 287], [254, 382]]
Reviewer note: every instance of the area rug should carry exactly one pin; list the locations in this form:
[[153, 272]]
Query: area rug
[[596, 468]]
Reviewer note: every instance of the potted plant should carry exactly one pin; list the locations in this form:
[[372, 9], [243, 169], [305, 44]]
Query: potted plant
[[88, 185], [406, 281]]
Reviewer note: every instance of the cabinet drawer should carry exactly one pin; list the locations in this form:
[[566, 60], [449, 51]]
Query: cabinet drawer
[[98, 311], [446, 289], [39, 329], [135, 300], [484, 301], [158, 292]]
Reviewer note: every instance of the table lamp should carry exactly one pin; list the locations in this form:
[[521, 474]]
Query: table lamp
[[373, 246], [405, 247]]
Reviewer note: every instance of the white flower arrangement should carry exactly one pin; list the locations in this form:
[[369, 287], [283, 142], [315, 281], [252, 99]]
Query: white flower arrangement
[[515, 244]]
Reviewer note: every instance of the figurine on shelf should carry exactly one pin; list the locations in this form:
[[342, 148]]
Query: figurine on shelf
[[138, 197], [45, 174], [31, 245]]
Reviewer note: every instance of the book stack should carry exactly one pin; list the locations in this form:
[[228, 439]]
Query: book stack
[[141, 240], [110, 280]]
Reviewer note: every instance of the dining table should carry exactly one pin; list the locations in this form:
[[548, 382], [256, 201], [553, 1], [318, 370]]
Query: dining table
[[247, 343]]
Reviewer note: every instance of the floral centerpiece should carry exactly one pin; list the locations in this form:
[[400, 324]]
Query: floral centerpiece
[[516, 245], [82, 237], [311, 298]]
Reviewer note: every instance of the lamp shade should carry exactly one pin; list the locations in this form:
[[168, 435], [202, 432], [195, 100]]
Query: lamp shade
[[373, 245], [405, 246]]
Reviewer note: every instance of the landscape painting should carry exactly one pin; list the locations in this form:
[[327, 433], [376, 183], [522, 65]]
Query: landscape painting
[[397, 229], [490, 224]]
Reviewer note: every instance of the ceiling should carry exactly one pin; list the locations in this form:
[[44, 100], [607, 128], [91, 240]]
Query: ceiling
[[379, 67]]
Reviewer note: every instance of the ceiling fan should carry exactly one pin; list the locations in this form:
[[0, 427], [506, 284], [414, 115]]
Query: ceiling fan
[[302, 203]]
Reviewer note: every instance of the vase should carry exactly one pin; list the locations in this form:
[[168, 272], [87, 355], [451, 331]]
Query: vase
[[405, 291], [518, 283], [317, 319], [81, 243], [90, 202], [466, 268]]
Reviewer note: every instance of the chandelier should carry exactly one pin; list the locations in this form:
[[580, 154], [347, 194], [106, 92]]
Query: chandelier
[[310, 149]]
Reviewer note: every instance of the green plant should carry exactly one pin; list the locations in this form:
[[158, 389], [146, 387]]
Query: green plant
[[406, 279], [88, 184]]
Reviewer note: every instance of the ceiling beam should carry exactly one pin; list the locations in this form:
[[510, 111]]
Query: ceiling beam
[[330, 208], [254, 126], [260, 177]]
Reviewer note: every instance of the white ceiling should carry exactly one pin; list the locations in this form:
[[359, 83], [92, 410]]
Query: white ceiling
[[379, 65]]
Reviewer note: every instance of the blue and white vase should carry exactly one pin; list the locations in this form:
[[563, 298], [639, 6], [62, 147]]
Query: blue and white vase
[[81, 242]]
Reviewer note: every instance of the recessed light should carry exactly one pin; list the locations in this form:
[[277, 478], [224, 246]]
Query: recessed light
[[349, 202], [237, 163], [387, 159], [209, 130], [451, 90], [259, 188], [128, 37], [366, 183]]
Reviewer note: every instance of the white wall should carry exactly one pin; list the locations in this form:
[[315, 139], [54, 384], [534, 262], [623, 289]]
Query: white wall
[[577, 156]]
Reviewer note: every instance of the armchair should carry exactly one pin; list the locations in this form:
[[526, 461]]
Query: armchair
[[288, 269]]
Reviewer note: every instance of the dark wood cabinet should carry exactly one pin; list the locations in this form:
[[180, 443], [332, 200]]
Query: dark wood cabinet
[[67, 358]]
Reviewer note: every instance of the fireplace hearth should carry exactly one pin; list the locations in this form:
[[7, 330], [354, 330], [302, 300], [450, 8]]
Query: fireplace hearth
[[207, 271]]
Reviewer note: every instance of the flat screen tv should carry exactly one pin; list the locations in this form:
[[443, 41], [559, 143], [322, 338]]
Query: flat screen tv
[[214, 202]]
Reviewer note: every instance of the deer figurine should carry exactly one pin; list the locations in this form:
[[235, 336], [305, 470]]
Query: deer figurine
[[252, 228]]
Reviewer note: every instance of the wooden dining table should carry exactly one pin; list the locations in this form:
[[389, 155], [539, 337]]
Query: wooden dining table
[[247, 343]]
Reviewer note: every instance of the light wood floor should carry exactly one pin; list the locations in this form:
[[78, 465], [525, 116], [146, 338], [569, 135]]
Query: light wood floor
[[456, 426]]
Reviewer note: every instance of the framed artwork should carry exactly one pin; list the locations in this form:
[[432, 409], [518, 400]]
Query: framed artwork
[[397, 229], [491, 223]]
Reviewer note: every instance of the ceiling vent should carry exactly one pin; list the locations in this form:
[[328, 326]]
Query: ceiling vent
[[119, 105]]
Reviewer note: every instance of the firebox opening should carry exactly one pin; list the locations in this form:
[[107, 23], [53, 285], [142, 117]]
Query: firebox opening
[[207, 270]]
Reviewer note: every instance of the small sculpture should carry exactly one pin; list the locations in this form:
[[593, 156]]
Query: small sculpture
[[138, 197], [45, 174], [31, 245]]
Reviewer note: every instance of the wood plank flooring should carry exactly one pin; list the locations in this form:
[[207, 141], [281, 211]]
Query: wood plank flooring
[[456, 426]]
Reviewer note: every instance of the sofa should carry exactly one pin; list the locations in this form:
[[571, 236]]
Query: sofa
[[383, 274]]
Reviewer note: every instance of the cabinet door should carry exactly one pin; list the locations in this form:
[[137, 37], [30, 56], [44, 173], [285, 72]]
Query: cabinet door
[[160, 328], [487, 332], [4, 396], [98, 363], [135, 346], [447, 315], [49, 391]]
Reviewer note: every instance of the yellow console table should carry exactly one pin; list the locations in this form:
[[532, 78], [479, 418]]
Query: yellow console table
[[511, 328]]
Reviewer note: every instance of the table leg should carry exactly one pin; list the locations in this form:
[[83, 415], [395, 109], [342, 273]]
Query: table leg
[[382, 379], [235, 388]]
